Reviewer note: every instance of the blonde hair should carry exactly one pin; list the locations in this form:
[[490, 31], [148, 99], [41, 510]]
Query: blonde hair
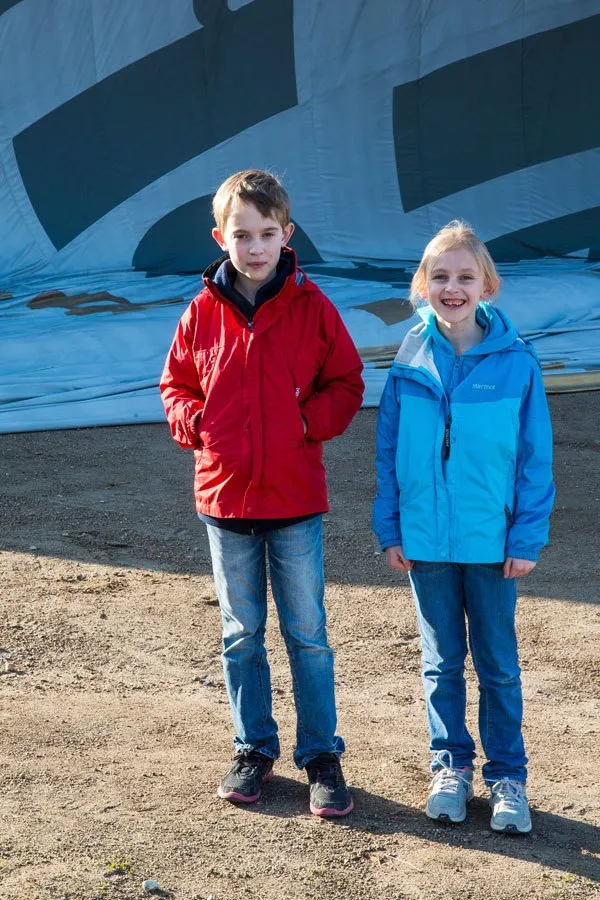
[[261, 189], [454, 236]]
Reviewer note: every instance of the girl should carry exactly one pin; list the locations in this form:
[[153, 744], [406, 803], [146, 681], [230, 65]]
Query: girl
[[464, 454]]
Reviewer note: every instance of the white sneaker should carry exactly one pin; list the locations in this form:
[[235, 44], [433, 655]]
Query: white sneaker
[[450, 791], [510, 810]]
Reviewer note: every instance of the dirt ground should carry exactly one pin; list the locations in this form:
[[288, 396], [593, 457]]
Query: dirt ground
[[114, 721]]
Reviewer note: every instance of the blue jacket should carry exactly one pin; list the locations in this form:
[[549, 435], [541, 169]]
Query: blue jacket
[[464, 448]]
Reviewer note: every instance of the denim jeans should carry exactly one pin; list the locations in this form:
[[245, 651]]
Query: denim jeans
[[444, 594], [295, 555]]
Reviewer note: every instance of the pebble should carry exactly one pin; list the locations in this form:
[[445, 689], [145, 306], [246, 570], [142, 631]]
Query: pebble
[[151, 885]]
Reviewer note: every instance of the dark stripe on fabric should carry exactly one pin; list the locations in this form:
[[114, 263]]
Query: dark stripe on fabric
[[496, 112], [557, 237], [7, 4], [112, 140]]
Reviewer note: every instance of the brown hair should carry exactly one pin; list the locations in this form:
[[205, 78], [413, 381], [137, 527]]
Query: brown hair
[[456, 234], [262, 189]]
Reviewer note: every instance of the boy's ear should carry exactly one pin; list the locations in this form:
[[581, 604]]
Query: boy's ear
[[219, 238], [287, 233]]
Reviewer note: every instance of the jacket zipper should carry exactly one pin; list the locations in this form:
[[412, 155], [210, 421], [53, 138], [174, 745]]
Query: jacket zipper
[[447, 441]]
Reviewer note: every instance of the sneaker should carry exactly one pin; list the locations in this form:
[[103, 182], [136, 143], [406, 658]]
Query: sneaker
[[243, 783], [450, 791], [510, 810], [329, 795]]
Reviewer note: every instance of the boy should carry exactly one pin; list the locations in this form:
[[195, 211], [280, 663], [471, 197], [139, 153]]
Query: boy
[[260, 372]]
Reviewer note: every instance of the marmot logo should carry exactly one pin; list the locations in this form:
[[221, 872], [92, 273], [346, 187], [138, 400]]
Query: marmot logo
[[483, 387]]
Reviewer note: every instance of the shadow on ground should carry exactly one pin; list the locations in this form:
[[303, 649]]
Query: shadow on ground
[[122, 496], [556, 842]]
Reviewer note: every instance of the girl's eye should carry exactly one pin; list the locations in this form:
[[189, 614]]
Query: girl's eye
[[439, 277]]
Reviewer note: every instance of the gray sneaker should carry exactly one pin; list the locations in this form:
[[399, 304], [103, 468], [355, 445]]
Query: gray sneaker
[[450, 791], [510, 810], [243, 783]]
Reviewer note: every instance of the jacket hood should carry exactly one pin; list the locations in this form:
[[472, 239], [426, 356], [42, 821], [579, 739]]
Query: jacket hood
[[416, 350], [499, 332]]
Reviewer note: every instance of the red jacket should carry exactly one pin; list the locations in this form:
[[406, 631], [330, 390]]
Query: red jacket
[[235, 392]]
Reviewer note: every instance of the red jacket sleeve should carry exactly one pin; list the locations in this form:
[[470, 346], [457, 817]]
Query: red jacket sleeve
[[339, 386], [180, 386]]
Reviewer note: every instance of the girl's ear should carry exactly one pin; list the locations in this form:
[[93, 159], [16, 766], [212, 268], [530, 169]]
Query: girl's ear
[[490, 289], [219, 238]]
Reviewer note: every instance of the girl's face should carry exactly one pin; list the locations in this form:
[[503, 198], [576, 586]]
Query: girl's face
[[455, 285]]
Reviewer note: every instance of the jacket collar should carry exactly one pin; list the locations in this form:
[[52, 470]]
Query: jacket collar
[[499, 332], [415, 353], [221, 275]]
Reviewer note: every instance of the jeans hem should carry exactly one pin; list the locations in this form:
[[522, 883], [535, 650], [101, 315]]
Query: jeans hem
[[252, 748], [513, 777], [338, 749]]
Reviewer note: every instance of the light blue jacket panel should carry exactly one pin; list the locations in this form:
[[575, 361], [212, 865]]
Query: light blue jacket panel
[[464, 448]]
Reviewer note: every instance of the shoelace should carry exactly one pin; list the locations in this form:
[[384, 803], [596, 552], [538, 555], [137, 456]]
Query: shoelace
[[327, 771], [248, 762], [447, 778], [511, 794]]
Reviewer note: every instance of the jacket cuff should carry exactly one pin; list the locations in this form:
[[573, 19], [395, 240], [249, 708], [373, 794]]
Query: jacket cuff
[[385, 542], [523, 553]]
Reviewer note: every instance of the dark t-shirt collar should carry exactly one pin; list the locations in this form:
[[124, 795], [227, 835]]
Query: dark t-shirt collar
[[224, 279]]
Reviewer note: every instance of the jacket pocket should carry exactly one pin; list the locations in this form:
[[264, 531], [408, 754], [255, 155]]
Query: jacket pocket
[[206, 363]]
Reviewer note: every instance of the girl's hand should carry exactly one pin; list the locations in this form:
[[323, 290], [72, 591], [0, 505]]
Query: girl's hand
[[396, 559], [514, 567]]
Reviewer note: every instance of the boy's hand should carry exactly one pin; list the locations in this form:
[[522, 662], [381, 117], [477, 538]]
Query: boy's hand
[[396, 559], [514, 567]]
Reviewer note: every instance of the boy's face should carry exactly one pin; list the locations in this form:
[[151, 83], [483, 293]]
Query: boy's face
[[455, 285], [254, 244]]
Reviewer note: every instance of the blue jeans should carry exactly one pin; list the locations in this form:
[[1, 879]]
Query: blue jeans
[[444, 593], [295, 558]]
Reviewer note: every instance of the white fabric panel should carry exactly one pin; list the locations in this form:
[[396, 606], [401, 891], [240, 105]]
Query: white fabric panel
[[335, 152], [51, 50], [60, 371]]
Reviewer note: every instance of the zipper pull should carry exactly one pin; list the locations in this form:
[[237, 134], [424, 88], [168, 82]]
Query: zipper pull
[[250, 325], [447, 436]]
